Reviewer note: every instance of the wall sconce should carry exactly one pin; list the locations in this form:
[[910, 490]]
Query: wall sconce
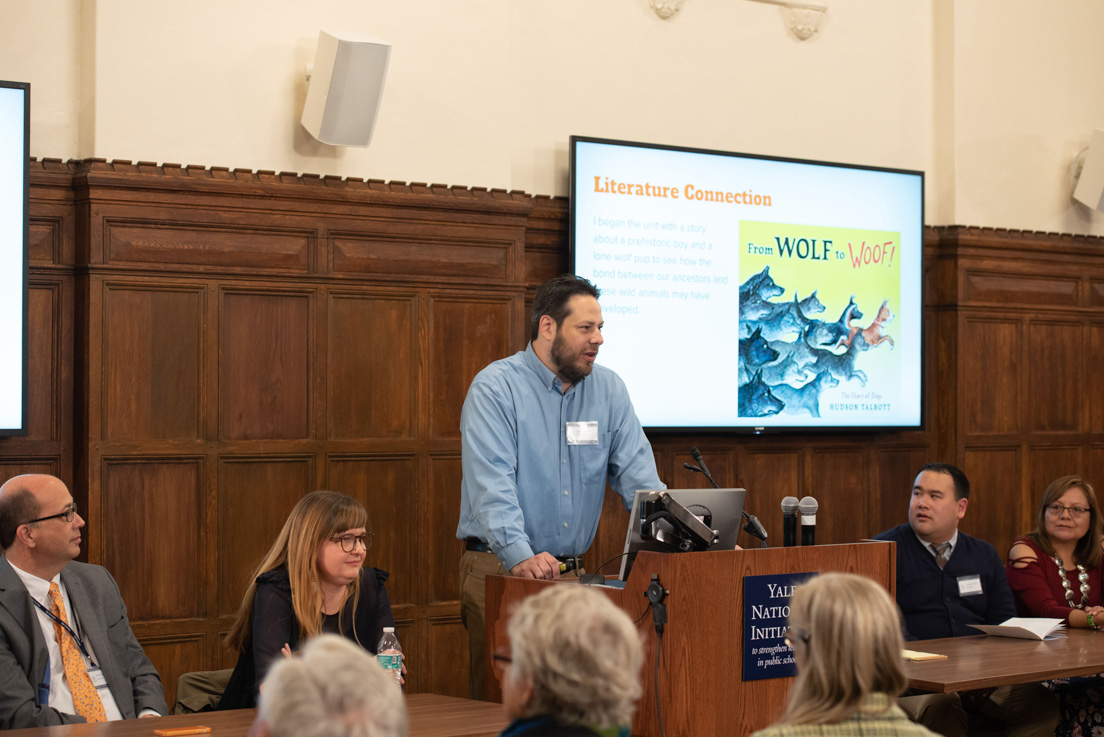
[[665, 8], [803, 17]]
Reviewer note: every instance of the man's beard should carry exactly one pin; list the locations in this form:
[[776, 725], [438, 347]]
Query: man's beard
[[573, 370]]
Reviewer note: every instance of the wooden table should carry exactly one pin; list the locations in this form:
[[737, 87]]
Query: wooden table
[[985, 661], [430, 716]]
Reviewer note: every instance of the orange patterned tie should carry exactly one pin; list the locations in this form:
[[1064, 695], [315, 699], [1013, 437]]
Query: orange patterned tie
[[85, 699]]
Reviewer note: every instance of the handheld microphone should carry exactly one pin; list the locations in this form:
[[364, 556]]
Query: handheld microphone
[[808, 507], [789, 521]]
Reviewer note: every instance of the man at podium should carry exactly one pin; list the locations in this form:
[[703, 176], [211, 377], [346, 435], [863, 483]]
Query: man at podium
[[541, 431], [946, 581]]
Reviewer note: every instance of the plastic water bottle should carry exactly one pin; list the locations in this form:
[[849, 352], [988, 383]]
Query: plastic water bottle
[[389, 654]]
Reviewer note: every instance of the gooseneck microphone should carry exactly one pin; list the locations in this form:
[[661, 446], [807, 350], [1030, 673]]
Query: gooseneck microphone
[[808, 507], [789, 521], [753, 527], [697, 456]]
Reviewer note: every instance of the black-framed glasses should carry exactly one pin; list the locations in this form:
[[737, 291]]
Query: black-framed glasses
[[501, 659], [66, 515], [348, 543], [1076, 511], [793, 634]]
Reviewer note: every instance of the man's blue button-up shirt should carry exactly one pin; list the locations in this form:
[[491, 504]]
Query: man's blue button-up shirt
[[525, 489]]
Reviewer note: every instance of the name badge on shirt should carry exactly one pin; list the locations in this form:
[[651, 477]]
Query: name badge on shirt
[[95, 672], [969, 585], [582, 433]]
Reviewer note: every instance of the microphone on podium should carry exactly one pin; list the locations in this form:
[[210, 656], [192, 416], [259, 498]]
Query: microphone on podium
[[808, 507], [697, 456], [789, 521], [753, 526]]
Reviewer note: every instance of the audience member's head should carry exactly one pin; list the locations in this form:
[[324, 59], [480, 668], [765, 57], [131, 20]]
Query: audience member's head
[[846, 636], [1068, 511], [39, 524], [940, 494], [333, 688], [575, 656]]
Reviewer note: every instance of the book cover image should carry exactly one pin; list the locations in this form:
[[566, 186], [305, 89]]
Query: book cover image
[[818, 307]]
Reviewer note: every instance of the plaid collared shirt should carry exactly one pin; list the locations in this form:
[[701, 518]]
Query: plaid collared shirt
[[875, 718]]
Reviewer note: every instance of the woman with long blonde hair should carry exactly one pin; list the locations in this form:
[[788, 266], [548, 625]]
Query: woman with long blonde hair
[[845, 632], [312, 580]]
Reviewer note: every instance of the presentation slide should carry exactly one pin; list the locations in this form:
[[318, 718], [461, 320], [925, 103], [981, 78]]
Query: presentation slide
[[753, 292], [14, 156]]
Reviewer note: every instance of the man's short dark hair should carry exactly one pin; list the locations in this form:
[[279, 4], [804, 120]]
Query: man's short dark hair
[[16, 507], [961, 483], [552, 298]]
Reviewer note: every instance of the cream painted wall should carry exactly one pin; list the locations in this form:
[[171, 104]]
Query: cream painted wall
[[486, 92], [40, 44], [1029, 91]]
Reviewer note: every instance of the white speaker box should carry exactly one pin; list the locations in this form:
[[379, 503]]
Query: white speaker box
[[1090, 185], [346, 85]]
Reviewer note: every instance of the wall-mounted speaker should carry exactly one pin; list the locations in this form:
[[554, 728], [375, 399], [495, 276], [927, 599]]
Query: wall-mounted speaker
[[1090, 185], [346, 85]]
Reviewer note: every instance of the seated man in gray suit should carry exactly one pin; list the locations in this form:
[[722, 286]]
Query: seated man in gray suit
[[67, 653]]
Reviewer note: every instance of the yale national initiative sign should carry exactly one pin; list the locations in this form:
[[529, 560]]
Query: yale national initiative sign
[[766, 608]]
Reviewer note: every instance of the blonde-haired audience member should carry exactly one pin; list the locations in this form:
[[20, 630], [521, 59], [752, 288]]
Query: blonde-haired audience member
[[574, 665], [332, 689], [846, 636]]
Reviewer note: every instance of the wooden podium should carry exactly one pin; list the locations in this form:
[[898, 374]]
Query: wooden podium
[[701, 690]]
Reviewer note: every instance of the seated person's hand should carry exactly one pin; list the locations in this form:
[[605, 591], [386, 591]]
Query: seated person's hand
[[541, 565]]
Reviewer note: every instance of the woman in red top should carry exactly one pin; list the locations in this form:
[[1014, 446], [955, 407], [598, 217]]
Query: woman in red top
[[1056, 572]]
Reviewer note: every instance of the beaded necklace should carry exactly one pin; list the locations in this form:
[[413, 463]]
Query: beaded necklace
[[1082, 576]]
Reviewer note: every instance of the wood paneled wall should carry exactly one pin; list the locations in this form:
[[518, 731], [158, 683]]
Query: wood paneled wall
[[208, 345]]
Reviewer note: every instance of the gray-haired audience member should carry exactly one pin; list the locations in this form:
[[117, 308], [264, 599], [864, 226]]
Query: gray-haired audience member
[[574, 666], [333, 688]]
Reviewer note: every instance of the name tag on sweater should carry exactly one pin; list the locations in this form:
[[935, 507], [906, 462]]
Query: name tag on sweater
[[969, 586], [582, 433]]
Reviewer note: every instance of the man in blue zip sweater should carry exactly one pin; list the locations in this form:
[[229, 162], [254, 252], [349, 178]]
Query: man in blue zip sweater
[[947, 581]]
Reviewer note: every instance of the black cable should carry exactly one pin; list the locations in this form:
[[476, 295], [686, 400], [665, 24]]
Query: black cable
[[616, 557], [644, 614], [659, 712]]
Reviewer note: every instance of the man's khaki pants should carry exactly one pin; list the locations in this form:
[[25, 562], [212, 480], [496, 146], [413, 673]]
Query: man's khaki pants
[[474, 569]]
